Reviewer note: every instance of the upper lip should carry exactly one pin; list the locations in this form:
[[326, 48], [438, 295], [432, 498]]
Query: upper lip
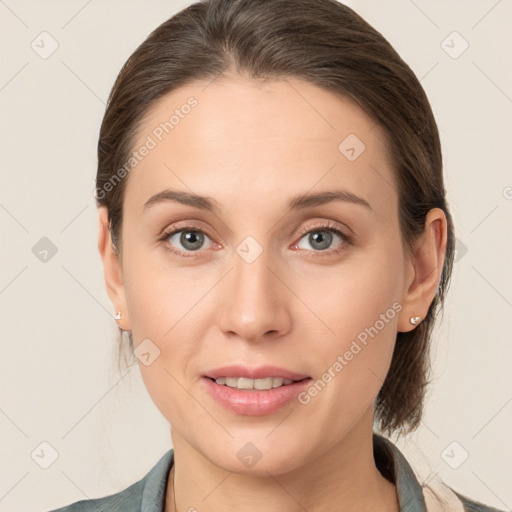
[[259, 372]]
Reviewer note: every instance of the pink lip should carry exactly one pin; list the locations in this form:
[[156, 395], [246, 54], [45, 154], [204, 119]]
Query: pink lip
[[254, 402], [260, 372]]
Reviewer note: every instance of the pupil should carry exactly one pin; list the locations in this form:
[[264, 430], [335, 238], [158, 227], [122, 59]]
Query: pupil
[[193, 238], [319, 236]]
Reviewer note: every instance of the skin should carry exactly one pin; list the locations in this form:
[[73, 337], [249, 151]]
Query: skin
[[252, 145]]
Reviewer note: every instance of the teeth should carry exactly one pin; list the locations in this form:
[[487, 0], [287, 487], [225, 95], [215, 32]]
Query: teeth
[[277, 382], [261, 384], [245, 383]]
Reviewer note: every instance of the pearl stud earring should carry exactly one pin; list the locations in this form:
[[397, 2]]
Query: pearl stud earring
[[415, 320]]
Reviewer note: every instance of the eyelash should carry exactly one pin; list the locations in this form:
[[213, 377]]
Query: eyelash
[[320, 226]]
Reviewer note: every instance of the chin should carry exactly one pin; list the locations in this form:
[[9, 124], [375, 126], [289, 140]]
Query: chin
[[257, 458]]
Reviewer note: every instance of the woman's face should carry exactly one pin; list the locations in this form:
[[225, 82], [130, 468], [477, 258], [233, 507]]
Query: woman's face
[[266, 277]]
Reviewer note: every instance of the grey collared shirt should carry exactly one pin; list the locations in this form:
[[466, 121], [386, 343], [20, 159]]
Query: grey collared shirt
[[148, 494]]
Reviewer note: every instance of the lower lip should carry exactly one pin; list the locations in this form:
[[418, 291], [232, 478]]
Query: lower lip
[[252, 402]]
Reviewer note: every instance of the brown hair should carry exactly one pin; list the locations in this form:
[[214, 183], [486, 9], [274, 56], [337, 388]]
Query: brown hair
[[327, 44]]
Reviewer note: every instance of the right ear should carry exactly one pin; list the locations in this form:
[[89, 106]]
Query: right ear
[[112, 269]]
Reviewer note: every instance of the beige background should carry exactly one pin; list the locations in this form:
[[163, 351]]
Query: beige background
[[59, 383]]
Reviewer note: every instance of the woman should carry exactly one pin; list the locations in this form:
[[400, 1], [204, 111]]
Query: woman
[[277, 244]]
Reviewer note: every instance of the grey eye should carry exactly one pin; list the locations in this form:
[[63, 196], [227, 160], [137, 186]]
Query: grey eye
[[319, 239], [190, 240]]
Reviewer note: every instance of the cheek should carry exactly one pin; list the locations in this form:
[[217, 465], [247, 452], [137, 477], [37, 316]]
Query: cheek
[[164, 303], [359, 312], [158, 293]]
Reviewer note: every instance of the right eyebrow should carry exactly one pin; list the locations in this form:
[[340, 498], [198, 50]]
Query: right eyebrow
[[187, 198]]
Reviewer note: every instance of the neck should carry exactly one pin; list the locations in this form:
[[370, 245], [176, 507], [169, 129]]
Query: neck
[[344, 478]]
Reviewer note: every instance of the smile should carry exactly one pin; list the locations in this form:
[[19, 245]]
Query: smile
[[258, 384]]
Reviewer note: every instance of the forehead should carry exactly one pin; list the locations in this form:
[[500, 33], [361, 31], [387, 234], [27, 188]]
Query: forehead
[[236, 137]]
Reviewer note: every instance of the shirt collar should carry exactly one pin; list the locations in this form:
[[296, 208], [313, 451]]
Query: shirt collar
[[391, 462], [153, 493]]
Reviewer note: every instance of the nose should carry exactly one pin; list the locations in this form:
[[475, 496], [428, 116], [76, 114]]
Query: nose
[[255, 302]]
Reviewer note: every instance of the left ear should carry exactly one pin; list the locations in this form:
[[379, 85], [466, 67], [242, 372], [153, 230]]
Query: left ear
[[425, 266]]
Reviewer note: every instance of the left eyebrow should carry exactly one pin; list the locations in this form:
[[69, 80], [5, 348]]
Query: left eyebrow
[[320, 198]]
